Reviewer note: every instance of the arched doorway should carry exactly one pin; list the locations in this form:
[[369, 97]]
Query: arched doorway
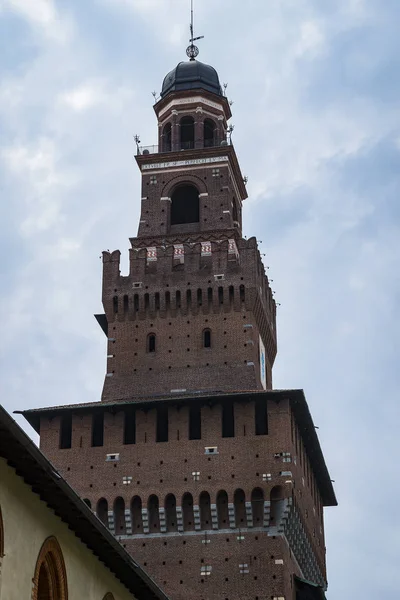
[[50, 578]]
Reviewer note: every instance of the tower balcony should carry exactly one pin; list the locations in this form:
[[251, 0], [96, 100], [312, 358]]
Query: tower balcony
[[181, 146]]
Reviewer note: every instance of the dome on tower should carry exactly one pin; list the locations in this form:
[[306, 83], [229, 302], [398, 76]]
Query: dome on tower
[[191, 75]]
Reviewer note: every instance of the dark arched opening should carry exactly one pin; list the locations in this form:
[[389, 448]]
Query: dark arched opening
[[185, 206], [209, 133], [277, 501], [205, 510], [151, 342], [167, 138], [187, 133], [257, 506], [136, 515], [119, 516], [188, 515], [240, 508], [102, 511], [154, 514], [170, 513], [207, 338], [222, 510]]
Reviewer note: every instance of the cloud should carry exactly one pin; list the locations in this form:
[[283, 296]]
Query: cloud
[[42, 14]]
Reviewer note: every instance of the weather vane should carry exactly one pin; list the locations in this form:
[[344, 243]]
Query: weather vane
[[192, 51]]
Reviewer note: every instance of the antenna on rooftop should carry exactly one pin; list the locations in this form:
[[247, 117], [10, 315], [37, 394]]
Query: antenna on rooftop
[[192, 51]]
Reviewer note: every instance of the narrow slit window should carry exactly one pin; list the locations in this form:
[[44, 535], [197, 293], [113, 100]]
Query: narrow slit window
[[189, 298], [66, 431], [115, 304], [242, 293], [210, 295], [221, 295], [136, 302], [126, 304], [157, 301], [199, 297], [178, 299], [207, 338], [151, 342], [98, 429]]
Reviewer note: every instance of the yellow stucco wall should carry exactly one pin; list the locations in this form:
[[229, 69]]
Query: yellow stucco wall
[[27, 523]]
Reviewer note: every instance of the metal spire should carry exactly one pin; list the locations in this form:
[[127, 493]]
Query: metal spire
[[192, 51]]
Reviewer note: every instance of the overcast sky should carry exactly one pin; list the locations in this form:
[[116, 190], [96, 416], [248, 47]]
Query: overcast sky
[[315, 86]]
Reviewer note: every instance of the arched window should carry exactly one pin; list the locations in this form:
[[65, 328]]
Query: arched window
[[167, 138], [199, 297], [257, 506], [108, 596], [188, 298], [205, 510], [151, 342], [277, 501], [126, 304], [119, 516], [136, 303], [50, 577], [185, 207], [207, 338], [239, 501], [136, 515], [234, 211], [187, 133], [188, 515], [222, 510], [209, 133], [86, 501], [154, 515], [170, 513], [115, 304], [220, 295], [102, 511]]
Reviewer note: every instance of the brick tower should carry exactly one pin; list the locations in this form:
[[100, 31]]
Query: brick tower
[[215, 480]]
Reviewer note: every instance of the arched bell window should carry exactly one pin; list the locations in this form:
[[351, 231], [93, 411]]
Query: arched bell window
[[185, 205], [187, 133], [209, 133], [167, 138]]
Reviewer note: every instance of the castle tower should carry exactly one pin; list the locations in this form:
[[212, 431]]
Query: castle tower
[[215, 480]]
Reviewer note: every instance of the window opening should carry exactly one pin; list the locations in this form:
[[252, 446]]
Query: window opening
[[119, 516], [136, 302], [257, 506], [102, 511], [188, 515], [162, 424], [234, 211], [199, 297], [210, 295], [130, 426], [207, 338], [167, 138], [221, 295], [231, 294], [242, 293], [189, 298], [239, 501], [261, 416], [153, 513], [195, 423], [187, 133], [222, 510], [178, 299], [126, 304], [136, 515], [98, 429], [146, 301], [157, 301], [205, 510], [209, 133], [170, 513], [151, 342], [185, 206], [228, 420], [167, 300], [66, 431], [115, 304]]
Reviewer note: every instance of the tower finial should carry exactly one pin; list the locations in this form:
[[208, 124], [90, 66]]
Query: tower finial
[[192, 51]]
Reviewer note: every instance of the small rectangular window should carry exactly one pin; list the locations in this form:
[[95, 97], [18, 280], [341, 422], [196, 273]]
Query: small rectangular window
[[228, 420], [261, 416], [162, 424], [66, 431], [98, 429], [195, 423], [129, 426]]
